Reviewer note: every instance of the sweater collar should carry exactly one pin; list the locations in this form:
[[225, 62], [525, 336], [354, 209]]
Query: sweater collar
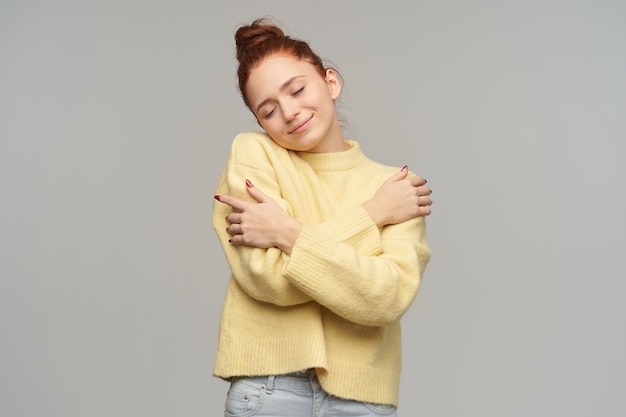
[[334, 161]]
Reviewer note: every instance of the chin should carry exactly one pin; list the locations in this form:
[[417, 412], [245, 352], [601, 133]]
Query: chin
[[301, 144]]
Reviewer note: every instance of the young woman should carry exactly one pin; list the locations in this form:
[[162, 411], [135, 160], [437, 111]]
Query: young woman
[[326, 247]]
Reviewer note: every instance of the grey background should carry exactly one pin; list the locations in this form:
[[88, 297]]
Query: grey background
[[115, 122]]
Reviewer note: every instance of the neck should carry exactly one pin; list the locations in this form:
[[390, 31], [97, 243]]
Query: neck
[[335, 141]]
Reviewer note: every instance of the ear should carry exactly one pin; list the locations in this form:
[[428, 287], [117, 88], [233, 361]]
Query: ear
[[333, 83]]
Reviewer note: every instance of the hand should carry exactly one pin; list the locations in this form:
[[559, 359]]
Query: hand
[[263, 224], [399, 199]]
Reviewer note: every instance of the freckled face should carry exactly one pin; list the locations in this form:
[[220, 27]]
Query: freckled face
[[295, 104]]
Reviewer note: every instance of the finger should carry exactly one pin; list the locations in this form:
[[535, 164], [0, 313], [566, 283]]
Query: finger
[[400, 175], [234, 202], [257, 194], [234, 229], [236, 240], [417, 181], [234, 218], [423, 190], [424, 201]]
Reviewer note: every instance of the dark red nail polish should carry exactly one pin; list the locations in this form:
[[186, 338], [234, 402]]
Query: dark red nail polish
[[248, 184], [217, 197], [404, 168]]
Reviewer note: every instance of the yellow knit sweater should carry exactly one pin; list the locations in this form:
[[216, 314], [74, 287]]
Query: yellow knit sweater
[[335, 303]]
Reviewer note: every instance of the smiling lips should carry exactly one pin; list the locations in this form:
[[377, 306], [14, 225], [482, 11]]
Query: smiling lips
[[300, 127]]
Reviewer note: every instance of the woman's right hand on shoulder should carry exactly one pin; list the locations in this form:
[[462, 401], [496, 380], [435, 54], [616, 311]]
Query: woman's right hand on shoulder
[[263, 224], [399, 198]]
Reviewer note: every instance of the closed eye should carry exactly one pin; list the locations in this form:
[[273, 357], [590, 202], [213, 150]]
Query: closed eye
[[269, 114], [298, 91]]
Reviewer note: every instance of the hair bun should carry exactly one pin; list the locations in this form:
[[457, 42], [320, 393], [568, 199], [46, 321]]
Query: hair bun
[[263, 38], [252, 35]]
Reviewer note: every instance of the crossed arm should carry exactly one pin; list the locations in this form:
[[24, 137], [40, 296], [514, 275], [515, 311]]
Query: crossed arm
[[354, 258], [265, 224]]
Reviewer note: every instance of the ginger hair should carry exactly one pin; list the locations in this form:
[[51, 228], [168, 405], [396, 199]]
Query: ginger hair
[[262, 39]]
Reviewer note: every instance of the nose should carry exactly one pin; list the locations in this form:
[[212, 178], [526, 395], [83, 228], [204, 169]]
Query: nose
[[290, 112]]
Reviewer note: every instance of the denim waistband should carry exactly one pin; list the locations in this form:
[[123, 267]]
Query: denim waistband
[[304, 380]]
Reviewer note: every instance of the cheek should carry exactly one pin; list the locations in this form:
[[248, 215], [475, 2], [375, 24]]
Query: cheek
[[267, 124], [270, 126]]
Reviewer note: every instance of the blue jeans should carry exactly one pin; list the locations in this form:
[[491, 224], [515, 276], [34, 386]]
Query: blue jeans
[[293, 395]]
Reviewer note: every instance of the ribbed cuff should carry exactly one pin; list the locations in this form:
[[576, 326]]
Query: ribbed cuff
[[359, 230], [310, 256]]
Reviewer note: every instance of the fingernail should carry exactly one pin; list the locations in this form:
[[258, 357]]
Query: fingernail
[[248, 184], [217, 197], [229, 240], [404, 168], [425, 180]]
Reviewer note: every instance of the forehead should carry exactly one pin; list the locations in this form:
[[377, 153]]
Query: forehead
[[271, 73]]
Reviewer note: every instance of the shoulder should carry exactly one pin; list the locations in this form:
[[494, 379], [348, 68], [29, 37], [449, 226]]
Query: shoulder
[[250, 148], [252, 142], [378, 168]]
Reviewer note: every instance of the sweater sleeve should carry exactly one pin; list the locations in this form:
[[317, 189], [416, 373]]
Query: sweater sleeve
[[373, 290], [258, 270], [254, 269]]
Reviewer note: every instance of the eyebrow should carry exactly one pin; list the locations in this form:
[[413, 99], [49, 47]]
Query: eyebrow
[[282, 88]]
